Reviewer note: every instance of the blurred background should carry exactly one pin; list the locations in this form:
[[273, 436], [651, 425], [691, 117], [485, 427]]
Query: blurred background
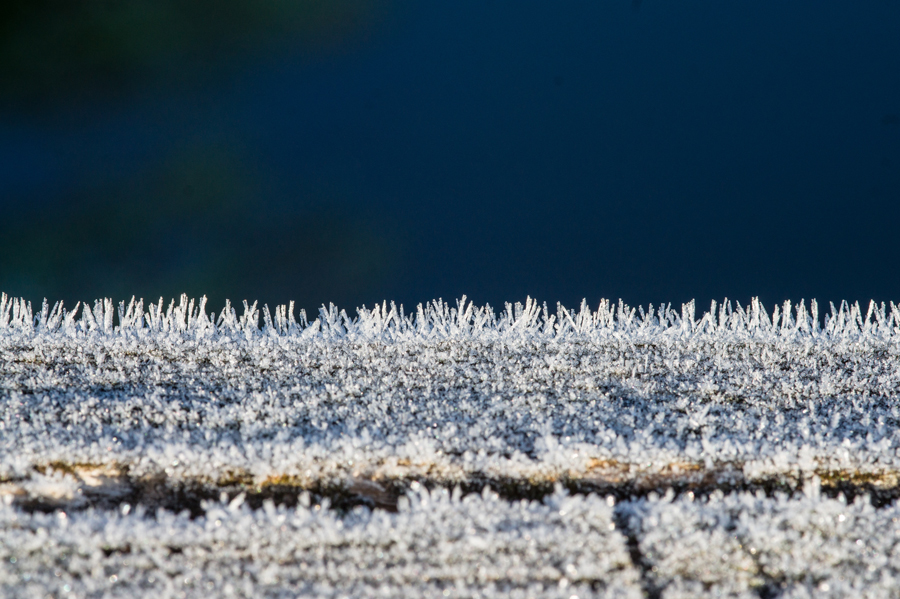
[[351, 151]]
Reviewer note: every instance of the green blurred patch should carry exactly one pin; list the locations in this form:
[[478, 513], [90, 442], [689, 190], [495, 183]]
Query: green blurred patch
[[54, 51], [202, 222]]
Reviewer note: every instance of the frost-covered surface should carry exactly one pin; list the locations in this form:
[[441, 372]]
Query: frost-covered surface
[[452, 393], [737, 544], [103, 405], [437, 545]]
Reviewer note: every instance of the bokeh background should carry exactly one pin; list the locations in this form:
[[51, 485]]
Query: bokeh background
[[352, 151]]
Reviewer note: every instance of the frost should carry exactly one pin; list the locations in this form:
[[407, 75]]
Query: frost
[[737, 544], [440, 546], [104, 403], [451, 392]]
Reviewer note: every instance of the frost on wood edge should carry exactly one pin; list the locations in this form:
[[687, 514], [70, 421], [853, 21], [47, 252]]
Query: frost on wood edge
[[466, 321]]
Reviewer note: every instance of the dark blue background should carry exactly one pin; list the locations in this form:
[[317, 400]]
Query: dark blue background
[[654, 151]]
